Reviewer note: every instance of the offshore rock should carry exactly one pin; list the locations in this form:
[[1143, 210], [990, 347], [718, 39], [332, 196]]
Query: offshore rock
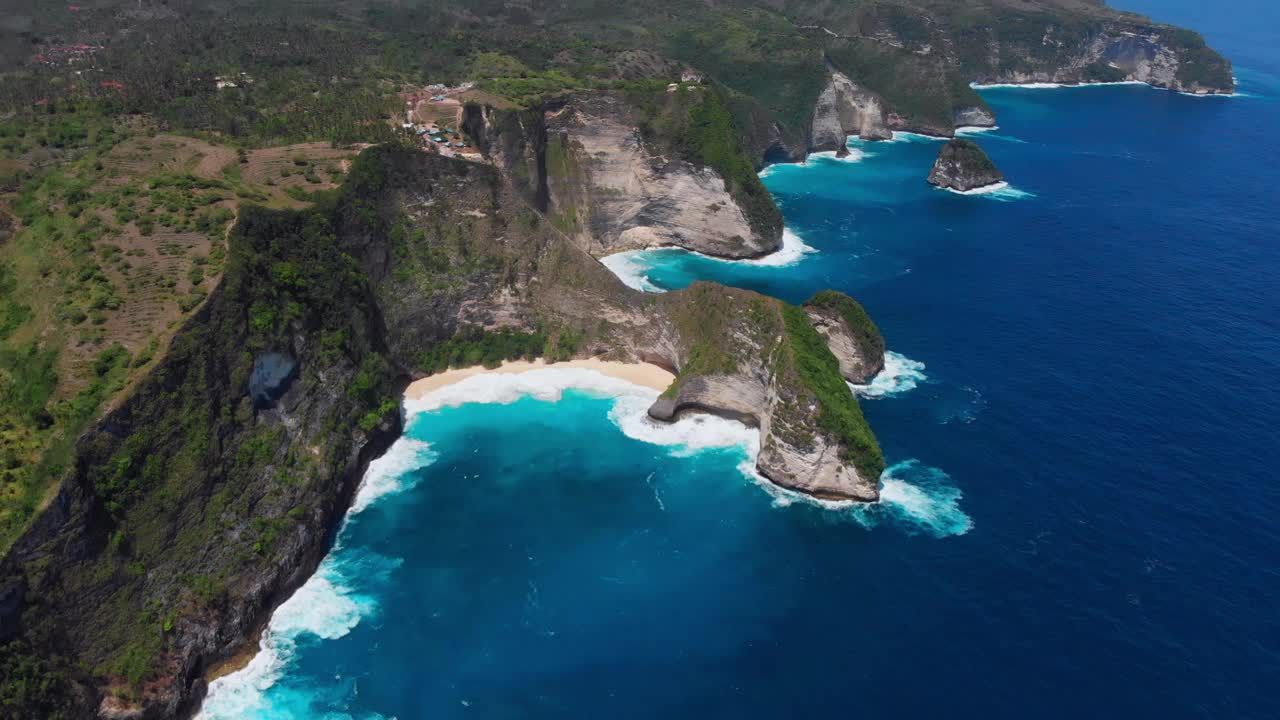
[[963, 166]]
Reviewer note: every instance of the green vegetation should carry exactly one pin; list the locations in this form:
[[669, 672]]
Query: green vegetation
[[473, 346], [864, 330], [696, 123], [839, 413]]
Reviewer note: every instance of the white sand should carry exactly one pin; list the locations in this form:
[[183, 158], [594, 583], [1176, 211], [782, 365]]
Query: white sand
[[650, 376]]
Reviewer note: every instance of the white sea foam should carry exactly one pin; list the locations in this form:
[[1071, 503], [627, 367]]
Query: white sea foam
[[855, 155], [922, 498], [691, 433], [325, 606], [792, 251], [388, 473], [1002, 191], [913, 497], [899, 375], [630, 266], [1009, 193], [976, 129], [1050, 85], [905, 136]]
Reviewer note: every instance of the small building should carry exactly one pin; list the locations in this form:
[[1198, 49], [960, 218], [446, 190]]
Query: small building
[[690, 76]]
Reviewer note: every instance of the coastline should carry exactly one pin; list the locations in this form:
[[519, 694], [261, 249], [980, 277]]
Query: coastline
[[643, 374], [627, 267], [980, 190], [1055, 85]]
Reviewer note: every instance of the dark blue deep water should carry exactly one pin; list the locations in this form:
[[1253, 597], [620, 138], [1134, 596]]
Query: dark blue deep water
[[1082, 518]]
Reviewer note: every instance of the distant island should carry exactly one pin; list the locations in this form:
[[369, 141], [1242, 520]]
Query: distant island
[[232, 234]]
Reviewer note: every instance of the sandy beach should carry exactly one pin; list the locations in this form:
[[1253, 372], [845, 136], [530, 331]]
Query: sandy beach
[[650, 376]]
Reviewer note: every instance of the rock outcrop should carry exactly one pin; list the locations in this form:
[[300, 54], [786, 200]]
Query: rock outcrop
[[844, 109], [963, 166]]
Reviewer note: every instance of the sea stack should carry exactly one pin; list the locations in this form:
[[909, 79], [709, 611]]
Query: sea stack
[[963, 166]]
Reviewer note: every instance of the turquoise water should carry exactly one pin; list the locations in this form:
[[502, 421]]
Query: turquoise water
[[1080, 513]]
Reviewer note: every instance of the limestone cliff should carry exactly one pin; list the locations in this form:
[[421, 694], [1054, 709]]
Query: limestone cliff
[[963, 166], [844, 109], [588, 163]]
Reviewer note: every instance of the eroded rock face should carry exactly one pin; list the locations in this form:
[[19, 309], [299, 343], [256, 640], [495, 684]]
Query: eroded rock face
[[612, 194], [843, 109], [587, 166], [963, 166], [816, 470]]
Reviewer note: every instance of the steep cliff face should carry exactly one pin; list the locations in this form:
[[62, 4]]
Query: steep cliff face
[[963, 166], [844, 109], [194, 507], [610, 187]]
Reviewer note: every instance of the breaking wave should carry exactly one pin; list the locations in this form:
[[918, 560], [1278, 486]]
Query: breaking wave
[[899, 375], [1049, 85], [919, 498], [792, 251], [905, 136], [855, 155], [325, 607], [1002, 191], [688, 435], [631, 267]]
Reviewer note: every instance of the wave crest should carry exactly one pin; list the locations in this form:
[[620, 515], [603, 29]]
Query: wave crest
[[919, 498], [325, 606], [899, 375], [631, 267]]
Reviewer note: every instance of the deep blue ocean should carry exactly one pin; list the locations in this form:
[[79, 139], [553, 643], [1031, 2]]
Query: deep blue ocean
[[1082, 517]]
